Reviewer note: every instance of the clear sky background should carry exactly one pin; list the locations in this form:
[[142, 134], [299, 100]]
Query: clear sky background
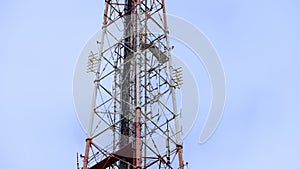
[[258, 43]]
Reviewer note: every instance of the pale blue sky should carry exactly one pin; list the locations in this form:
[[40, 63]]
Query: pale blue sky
[[257, 41]]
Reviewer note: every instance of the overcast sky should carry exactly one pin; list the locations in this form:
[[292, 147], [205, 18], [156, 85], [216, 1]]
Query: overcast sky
[[257, 41]]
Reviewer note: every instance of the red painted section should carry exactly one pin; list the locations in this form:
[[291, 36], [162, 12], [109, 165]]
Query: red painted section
[[180, 157], [115, 157], [165, 15], [138, 143], [86, 155], [105, 14]]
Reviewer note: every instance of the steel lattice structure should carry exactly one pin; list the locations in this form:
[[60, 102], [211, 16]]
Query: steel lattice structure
[[134, 118]]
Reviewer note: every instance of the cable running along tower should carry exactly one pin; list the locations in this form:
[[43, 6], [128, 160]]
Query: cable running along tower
[[134, 117]]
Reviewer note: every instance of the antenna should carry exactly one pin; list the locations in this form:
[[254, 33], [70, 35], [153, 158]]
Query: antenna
[[133, 121]]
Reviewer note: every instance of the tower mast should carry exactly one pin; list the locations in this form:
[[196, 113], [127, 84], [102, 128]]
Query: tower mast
[[134, 119]]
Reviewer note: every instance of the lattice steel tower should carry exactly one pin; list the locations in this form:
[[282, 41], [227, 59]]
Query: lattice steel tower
[[134, 118]]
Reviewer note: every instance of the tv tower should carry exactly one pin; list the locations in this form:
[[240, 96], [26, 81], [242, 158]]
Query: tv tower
[[134, 120]]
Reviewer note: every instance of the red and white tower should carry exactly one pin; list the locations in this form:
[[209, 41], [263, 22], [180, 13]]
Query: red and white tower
[[134, 117]]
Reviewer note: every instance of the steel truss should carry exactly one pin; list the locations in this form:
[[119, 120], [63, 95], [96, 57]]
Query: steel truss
[[134, 121]]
